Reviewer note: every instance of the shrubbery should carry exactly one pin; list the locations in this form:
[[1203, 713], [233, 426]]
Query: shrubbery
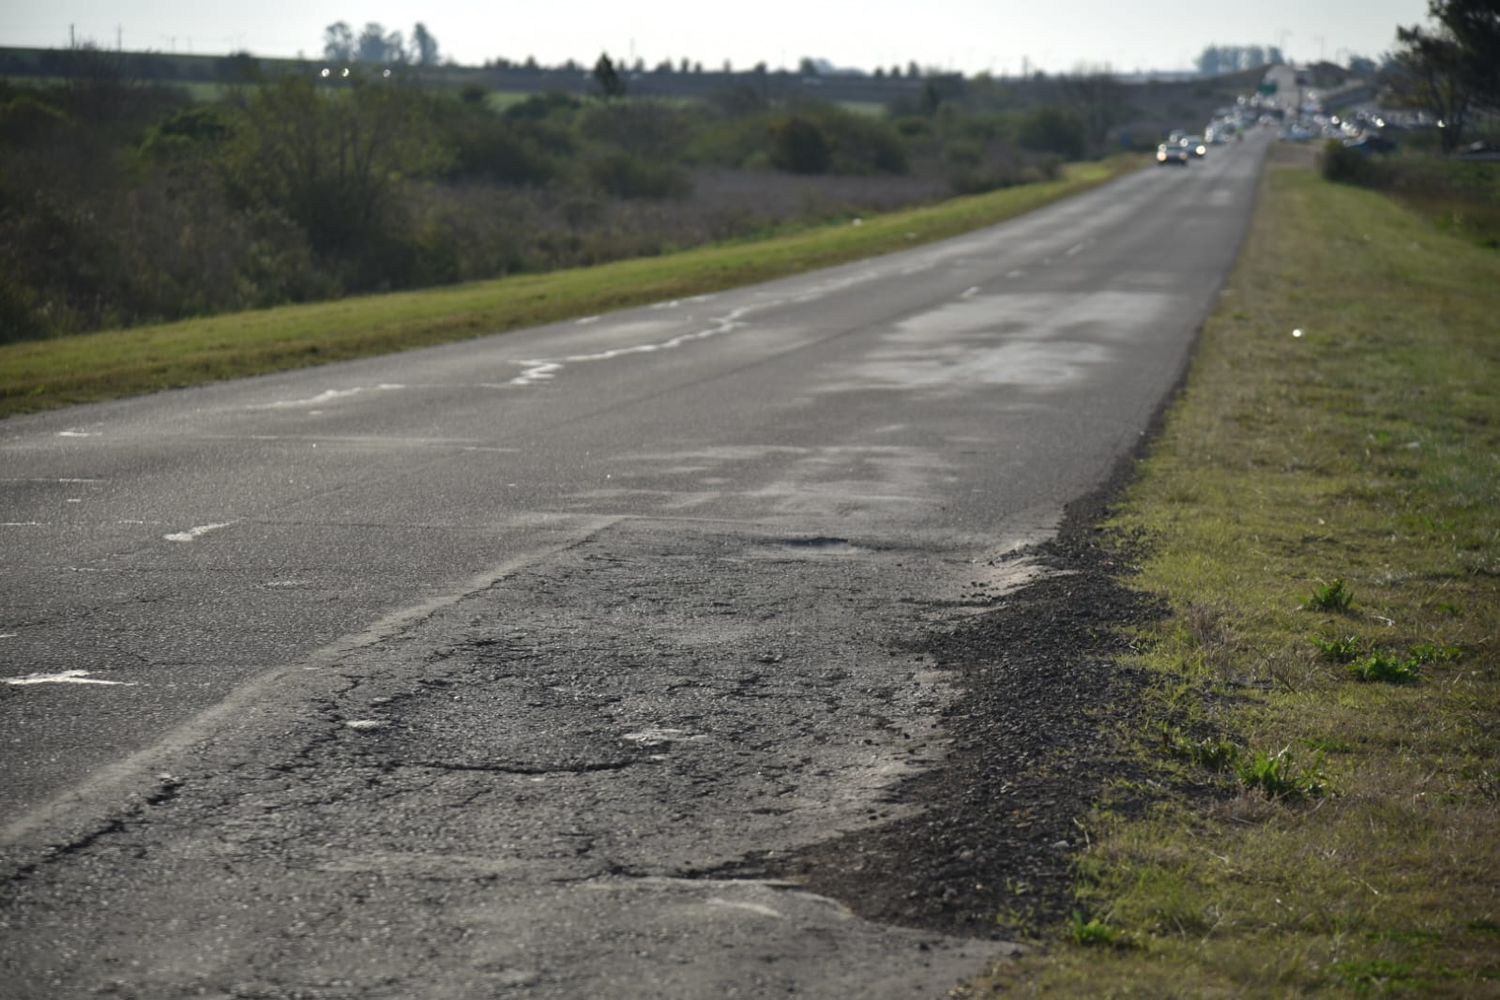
[[123, 204]]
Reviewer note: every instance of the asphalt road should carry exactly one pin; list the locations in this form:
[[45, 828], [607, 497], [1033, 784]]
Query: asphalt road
[[460, 672]]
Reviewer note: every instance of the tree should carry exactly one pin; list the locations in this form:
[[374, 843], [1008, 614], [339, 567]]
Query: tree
[[799, 146], [607, 78], [1099, 99], [338, 43], [424, 46], [331, 162], [1452, 68], [1054, 130], [1474, 27], [1429, 74], [376, 46]]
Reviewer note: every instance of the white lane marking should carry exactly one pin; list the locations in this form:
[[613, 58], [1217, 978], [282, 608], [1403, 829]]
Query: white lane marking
[[1014, 274], [66, 677], [1075, 249], [8, 635], [545, 369], [20, 524], [76, 434], [586, 321], [735, 904], [193, 534], [655, 736], [326, 396], [969, 293]]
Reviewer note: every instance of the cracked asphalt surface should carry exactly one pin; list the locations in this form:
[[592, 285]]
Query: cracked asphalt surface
[[735, 647]]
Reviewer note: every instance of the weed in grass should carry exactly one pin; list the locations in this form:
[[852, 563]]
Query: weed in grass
[[1335, 596], [1341, 649], [1431, 652], [1323, 746], [1373, 976], [1277, 776], [1095, 932], [1385, 669], [1216, 754]]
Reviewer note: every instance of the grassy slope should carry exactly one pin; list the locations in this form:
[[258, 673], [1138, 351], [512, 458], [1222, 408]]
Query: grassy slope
[[45, 374], [1366, 450]]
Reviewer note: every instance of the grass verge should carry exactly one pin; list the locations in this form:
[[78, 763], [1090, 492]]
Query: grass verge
[[1321, 812], [45, 374]]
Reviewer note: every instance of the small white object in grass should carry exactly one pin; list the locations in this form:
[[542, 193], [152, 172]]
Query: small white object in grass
[[1297, 333]]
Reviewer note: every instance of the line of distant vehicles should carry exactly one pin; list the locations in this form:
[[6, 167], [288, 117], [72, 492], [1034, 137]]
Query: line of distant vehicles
[[1227, 125]]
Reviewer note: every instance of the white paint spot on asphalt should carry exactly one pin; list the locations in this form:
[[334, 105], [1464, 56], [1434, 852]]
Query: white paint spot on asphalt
[[1075, 249], [193, 534], [8, 635], [66, 677], [74, 500], [736, 904], [1015, 274], [366, 725], [545, 369], [655, 736], [20, 524], [76, 434]]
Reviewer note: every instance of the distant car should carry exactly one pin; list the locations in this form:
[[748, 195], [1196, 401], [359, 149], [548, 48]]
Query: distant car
[[1195, 145], [1170, 154]]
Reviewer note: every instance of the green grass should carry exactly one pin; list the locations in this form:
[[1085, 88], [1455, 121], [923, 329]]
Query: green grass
[[44, 374], [1358, 853]]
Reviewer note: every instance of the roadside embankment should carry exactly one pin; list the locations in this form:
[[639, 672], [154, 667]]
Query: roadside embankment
[[1321, 729]]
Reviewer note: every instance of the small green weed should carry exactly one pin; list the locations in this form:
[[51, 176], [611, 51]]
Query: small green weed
[[1342, 649], [1277, 777], [1216, 754], [1431, 652], [1386, 669], [1095, 932], [1335, 596]]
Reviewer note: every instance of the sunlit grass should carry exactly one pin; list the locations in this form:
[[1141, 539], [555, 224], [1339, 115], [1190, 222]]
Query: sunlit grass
[[45, 374], [1316, 503]]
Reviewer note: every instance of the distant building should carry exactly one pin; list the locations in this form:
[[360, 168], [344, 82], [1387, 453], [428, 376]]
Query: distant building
[[1280, 85]]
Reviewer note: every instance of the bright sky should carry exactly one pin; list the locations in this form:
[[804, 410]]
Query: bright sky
[[965, 35]]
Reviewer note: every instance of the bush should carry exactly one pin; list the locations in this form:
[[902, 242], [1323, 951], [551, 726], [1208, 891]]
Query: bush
[[627, 176], [1343, 165], [799, 146], [1054, 130]]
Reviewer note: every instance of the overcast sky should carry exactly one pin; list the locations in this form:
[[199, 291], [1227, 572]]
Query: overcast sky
[[966, 35]]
